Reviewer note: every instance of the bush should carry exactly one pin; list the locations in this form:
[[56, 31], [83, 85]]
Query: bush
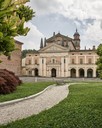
[[8, 81]]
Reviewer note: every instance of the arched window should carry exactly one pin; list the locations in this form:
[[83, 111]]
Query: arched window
[[53, 60]]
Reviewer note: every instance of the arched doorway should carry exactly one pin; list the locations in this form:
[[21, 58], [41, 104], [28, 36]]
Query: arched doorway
[[73, 73], [53, 72], [89, 73], [81, 72], [36, 72]]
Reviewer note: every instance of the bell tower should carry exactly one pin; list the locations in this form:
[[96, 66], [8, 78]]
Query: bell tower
[[77, 40]]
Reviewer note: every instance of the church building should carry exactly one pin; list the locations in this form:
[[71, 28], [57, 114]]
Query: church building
[[61, 56]]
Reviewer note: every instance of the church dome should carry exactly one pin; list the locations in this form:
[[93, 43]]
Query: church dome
[[76, 33]]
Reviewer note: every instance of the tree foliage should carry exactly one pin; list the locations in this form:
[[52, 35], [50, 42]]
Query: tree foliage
[[13, 15], [99, 50], [24, 52], [99, 61]]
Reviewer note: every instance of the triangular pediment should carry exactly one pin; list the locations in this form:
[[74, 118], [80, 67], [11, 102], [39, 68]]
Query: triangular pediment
[[53, 48]]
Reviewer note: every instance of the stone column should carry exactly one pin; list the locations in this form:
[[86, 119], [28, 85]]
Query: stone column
[[77, 59], [85, 60], [32, 61], [47, 71], [85, 72], [26, 72], [50, 71], [66, 67], [33, 74], [60, 71], [94, 72], [77, 72], [44, 66], [62, 67], [94, 59], [40, 66]]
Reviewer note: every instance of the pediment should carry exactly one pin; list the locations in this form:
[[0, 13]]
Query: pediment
[[53, 48]]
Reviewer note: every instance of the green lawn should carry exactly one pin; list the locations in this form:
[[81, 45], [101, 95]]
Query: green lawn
[[25, 89], [81, 109]]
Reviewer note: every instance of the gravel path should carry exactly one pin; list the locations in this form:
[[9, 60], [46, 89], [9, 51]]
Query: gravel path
[[33, 106]]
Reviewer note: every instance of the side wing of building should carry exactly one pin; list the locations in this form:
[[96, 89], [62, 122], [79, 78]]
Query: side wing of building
[[13, 62]]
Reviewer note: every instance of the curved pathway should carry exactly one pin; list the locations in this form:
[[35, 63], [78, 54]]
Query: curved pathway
[[26, 108]]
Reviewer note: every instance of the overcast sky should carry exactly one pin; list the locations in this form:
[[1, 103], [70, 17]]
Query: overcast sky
[[65, 16]]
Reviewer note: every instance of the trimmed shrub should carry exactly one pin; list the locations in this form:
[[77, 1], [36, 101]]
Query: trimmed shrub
[[8, 81]]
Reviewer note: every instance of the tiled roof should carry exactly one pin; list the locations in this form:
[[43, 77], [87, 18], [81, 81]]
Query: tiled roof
[[59, 35]]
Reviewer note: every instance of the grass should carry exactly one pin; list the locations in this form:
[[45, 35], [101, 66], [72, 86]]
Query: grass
[[24, 90], [81, 109]]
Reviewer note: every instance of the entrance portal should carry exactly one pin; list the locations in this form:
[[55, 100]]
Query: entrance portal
[[36, 72], [89, 73], [53, 72], [73, 73], [81, 72]]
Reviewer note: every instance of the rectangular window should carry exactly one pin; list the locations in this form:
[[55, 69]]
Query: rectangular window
[[81, 61], [42, 61], [64, 60], [35, 61], [90, 61], [29, 62], [73, 61]]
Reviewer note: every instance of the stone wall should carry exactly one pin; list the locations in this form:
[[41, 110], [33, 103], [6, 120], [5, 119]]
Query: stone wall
[[12, 63]]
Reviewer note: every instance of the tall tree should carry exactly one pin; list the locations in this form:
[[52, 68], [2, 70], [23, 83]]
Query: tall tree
[[99, 61], [13, 15]]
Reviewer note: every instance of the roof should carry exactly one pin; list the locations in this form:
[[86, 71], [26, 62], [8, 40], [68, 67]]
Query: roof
[[76, 33], [18, 42], [59, 35], [33, 52], [87, 50]]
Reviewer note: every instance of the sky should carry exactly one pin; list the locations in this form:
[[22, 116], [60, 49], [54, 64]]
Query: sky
[[64, 16]]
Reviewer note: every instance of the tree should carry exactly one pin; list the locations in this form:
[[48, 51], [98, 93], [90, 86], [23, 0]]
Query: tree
[[99, 61], [24, 52], [13, 15]]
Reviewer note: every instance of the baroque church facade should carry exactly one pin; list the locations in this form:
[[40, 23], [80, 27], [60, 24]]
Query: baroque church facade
[[61, 56]]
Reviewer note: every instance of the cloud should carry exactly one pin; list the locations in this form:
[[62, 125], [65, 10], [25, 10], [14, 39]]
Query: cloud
[[71, 9], [93, 34], [85, 15], [32, 40], [82, 9], [42, 7]]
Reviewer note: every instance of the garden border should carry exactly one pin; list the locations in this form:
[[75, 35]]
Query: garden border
[[2, 104]]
